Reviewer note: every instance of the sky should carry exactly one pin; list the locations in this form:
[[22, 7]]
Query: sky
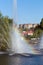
[[27, 11], [6, 7]]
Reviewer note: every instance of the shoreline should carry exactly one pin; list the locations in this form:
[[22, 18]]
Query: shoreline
[[22, 54], [2, 52]]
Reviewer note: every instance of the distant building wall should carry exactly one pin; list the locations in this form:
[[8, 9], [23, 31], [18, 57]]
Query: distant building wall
[[28, 26], [27, 32]]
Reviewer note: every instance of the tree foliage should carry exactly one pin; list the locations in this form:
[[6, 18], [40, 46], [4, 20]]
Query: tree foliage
[[41, 23], [38, 29], [5, 24]]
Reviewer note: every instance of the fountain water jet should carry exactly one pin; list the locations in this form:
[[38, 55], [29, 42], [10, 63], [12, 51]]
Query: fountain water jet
[[19, 45]]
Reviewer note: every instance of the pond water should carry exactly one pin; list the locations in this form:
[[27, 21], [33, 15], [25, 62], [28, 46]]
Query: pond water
[[21, 60]]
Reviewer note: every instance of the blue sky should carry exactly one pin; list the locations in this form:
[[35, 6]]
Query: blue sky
[[6, 7], [29, 11]]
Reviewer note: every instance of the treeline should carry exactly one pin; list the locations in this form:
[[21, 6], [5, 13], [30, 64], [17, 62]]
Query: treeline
[[5, 23], [38, 29]]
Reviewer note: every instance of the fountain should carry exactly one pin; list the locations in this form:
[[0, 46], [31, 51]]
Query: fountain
[[19, 44]]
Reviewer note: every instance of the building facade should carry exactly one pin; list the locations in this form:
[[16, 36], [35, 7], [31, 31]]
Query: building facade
[[28, 26]]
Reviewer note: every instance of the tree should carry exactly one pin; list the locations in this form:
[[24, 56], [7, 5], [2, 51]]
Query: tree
[[41, 23], [4, 32], [10, 21], [0, 15]]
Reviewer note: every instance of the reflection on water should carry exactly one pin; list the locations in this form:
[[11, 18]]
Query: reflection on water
[[20, 60]]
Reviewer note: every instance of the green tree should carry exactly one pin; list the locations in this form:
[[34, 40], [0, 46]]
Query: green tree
[[4, 32], [41, 23]]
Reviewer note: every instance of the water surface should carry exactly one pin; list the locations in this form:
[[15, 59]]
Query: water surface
[[21, 60]]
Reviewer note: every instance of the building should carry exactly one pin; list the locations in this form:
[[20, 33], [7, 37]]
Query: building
[[30, 32], [28, 26], [34, 25]]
